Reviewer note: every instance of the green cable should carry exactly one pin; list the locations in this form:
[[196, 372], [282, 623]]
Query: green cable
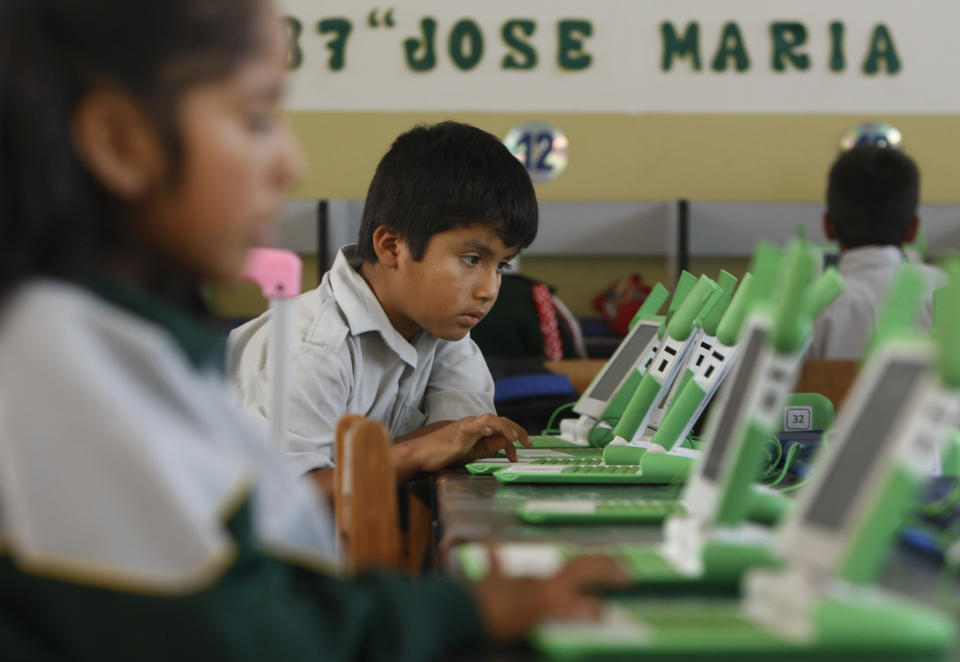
[[788, 461], [772, 462], [947, 502], [795, 486], [549, 430]]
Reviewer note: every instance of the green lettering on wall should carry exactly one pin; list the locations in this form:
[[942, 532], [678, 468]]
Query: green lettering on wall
[[293, 27], [680, 47], [340, 27], [570, 53], [524, 51], [837, 61], [731, 45], [466, 44], [428, 59], [881, 48], [786, 38]]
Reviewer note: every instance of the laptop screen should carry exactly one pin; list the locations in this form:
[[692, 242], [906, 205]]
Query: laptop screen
[[859, 451], [723, 432], [622, 362]]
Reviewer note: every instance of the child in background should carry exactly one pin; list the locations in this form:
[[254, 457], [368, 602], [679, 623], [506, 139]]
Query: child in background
[[385, 335], [872, 197], [142, 151]]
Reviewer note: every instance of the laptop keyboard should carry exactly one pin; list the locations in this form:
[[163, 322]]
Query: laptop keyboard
[[639, 509], [541, 441]]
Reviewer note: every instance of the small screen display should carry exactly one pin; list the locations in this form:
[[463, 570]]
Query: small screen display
[[858, 451], [734, 404], [622, 362]]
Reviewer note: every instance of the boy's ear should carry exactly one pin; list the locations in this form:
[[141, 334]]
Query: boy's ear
[[118, 142], [911, 234], [828, 228], [386, 244]]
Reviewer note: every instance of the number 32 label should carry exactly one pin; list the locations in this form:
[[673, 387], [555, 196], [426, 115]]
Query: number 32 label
[[798, 418]]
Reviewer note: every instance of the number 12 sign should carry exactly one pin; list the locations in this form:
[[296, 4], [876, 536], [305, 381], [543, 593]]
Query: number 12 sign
[[541, 148]]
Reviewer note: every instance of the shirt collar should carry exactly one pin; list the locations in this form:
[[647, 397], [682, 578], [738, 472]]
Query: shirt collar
[[869, 257], [363, 310], [203, 348]]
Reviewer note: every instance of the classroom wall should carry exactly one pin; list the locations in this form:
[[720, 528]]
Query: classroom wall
[[737, 107], [772, 158]]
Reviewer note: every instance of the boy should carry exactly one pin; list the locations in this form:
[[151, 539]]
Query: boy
[[386, 332], [872, 197]]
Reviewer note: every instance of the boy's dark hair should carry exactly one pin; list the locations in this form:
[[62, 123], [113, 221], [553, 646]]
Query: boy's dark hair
[[55, 218], [445, 176], [872, 196]]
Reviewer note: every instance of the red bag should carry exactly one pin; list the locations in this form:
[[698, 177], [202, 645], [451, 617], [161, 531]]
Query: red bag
[[619, 302]]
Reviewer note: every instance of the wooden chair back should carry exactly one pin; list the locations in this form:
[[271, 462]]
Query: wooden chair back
[[365, 495]]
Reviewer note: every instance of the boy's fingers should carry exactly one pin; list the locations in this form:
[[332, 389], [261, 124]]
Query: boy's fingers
[[594, 571], [576, 606], [474, 429], [508, 448], [523, 437], [494, 569], [510, 431]]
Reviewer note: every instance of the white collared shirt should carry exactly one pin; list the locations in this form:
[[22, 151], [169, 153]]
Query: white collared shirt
[[842, 330], [120, 463], [347, 358]]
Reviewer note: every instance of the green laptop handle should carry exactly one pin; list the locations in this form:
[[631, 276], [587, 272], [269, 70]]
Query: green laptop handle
[[898, 314], [640, 402], [728, 331], [711, 320], [939, 305], [874, 537], [733, 503], [791, 324], [648, 309], [684, 284], [950, 464], [682, 409], [822, 293], [767, 260], [948, 320], [714, 299], [681, 324]]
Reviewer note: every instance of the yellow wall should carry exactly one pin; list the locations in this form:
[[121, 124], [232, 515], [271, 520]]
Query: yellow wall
[[776, 158], [243, 300]]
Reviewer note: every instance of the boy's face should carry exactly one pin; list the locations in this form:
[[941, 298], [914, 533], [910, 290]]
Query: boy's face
[[452, 286], [238, 163]]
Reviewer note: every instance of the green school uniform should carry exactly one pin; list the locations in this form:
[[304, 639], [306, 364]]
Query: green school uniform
[[142, 516]]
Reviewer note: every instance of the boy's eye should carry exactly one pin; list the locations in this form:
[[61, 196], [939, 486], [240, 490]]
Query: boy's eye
[[472, 260], [503, 265]]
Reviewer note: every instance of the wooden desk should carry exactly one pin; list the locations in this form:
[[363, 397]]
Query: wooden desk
[[830, 377], [481, 509]]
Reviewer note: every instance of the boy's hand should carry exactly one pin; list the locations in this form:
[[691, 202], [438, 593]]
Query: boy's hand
[[469, 439], [510, 607]]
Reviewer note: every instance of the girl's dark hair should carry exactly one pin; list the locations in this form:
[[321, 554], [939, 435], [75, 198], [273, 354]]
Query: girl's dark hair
[[55, 218], [448, 175]]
